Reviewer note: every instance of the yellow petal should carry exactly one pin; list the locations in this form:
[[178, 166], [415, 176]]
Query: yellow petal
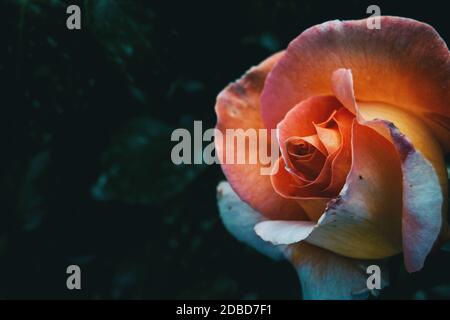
[[415, 129]]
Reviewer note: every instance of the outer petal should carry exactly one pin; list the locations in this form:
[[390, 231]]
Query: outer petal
[[238, 107], [423, 200], [425, 190], [284, 232], [299, 121], [413, 128], [342, 163], [405, 63], [325, 275], [239, 219], [422, 203], [365, 220]]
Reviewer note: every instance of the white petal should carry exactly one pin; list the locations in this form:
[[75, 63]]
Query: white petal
[[240, 219]]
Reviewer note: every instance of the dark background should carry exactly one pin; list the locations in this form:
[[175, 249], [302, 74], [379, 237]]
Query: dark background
[[85, 127]]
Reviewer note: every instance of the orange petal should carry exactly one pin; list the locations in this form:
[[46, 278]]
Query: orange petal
[[307, 194], [289, 185], [405, 63], [283, 182], [424, 200], [238, 107], [330, 137], [365, 220], [412, 127], [308, 166], [299, 122], [315, 141], [340, 167], [342, 163], [333, 174]]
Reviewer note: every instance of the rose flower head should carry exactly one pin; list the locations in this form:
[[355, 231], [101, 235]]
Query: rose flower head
[[362, 120]]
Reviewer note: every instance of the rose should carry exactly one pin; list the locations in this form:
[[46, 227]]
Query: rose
[[363, 123]]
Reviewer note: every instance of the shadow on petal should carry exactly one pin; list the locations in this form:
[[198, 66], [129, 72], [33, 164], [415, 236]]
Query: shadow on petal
[[327, 276], [240, 219]]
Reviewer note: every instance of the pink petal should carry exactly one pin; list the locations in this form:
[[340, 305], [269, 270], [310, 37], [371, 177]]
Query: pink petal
[[238, 107]]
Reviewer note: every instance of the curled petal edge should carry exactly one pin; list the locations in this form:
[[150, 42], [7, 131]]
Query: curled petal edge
[[323, 275]]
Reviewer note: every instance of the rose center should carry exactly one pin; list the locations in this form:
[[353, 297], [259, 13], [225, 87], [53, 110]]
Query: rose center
[[305, 159]]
